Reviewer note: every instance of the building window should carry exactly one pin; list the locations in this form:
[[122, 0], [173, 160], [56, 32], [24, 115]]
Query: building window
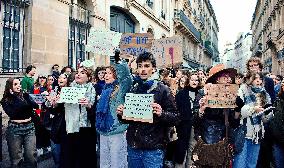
[[79, 27], [164, 10], [12, 31], [150, 3]]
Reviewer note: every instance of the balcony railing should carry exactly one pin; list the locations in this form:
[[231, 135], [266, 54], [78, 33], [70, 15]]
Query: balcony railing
[[79, 13], [187, 23], [209, 49], [201, 18]]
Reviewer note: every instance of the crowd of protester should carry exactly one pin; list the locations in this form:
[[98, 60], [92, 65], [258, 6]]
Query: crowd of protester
[[184, 133]]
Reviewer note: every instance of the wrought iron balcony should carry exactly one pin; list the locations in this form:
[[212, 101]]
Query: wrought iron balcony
[[208, 48], [79, 13], [185, 22]]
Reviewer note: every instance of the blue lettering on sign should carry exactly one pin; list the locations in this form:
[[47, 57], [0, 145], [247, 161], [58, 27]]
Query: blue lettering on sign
[[127, 39], [136, 50], [141, 40]]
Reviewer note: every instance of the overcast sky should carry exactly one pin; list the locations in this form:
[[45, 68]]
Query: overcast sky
[[233, 16]]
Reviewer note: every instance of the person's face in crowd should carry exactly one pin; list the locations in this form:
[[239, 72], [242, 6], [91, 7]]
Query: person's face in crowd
[[201, 74], [254, 67], [194, 81], [16, 86], [239, 80], [101, 75], [56, 68], [81, 76], [68, 71], [257, 82], [182, 81], [32, 72], [179, 75], [109, 76], [50, 80], [282, 85], [62, 80], [145, 69], [224, 79], [42, 80]]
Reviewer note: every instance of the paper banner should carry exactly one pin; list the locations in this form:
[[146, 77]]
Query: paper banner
[[138, 108], [103, 41], [71, 94], [38, 98], [167, 51], [221, 95], [136, 43]]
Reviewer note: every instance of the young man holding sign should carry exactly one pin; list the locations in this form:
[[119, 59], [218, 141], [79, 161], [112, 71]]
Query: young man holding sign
[[146, 142]]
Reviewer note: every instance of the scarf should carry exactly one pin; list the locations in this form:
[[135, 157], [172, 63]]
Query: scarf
[[143, 86], [104, 120]]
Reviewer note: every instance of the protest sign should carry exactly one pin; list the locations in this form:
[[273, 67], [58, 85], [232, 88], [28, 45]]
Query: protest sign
[[167, 51], [71, 94], [221, 95], [102, 41], [135, 43], [138, 107], [38, 98]]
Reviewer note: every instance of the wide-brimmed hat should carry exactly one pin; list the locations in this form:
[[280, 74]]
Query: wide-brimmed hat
[[217, 70]]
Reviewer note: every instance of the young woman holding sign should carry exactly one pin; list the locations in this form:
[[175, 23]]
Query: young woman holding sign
[[113, 151], [81, 137], [20, 131], [209, 125]]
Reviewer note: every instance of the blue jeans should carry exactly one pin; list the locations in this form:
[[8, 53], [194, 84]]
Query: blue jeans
[[278, 154], [56, 152], [21, 136], [248, 157], [138, 158]]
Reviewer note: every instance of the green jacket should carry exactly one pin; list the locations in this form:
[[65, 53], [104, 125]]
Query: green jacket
[[27, 83]]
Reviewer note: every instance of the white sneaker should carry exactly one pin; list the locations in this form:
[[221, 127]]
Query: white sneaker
[[39, 152]]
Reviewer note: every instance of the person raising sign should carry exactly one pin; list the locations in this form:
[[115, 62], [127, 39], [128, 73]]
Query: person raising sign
[[146, 142]]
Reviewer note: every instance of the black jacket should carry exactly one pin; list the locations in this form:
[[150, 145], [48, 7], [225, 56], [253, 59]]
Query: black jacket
[[18, 109], [277, 123], [187, 103], [154, 135]]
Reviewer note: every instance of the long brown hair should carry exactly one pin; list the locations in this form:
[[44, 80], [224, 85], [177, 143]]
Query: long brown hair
[[281, 92], [7, 96]]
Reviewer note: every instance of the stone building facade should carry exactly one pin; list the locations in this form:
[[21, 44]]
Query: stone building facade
[[237, 54], [268, 34], [196, 22], [47, 32]]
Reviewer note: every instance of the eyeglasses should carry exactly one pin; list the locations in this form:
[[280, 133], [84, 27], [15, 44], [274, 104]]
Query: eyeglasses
[[253, 65], [42, 77]]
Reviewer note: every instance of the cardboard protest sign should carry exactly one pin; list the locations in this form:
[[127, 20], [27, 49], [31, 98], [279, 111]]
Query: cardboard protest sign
[[71, 94], [138, 108], [167, 51], [135, 43], [38, 98], [102, 41], [221, 95]]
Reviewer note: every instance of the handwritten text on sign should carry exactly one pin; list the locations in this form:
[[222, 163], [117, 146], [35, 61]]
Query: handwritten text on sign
[[221, 95], [135, 43], [167, 51], [138, 107], [72, 94], [102, 41]]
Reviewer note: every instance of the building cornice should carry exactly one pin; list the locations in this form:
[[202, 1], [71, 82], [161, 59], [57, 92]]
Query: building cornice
[[151, 15]]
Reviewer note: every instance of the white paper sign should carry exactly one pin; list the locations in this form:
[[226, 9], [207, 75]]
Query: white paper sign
[[103, 41], [71, 94], [138, 107]]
